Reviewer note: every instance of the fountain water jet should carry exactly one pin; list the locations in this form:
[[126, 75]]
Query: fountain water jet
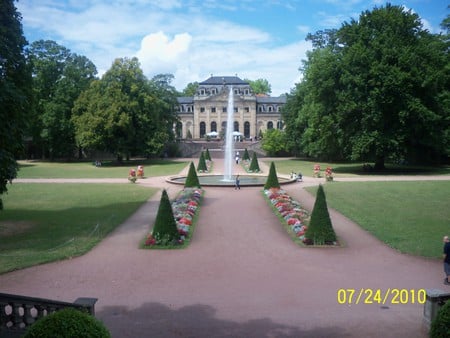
[[229, 145]]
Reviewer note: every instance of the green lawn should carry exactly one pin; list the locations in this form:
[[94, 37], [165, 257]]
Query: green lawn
[[37, 169], [411, 217], [47, 222], [286, 166]]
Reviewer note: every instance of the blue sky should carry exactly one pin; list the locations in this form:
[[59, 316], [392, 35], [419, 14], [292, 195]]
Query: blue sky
[[193, 39]]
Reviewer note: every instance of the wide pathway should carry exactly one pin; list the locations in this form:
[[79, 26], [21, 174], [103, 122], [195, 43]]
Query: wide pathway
[[241, 276]]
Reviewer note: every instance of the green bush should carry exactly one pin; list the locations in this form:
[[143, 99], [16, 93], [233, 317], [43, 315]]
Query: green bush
[[202, 163], [320, 230], [192, 178], [272, 179], [67, 323], [440, 327], [246, 156], [165, 230], [254, 165]]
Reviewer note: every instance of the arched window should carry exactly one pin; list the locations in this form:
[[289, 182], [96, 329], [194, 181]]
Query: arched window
[[279, 124], [269, 109], [213, 126], [270, 125], [179, 130], [202, 129], [236, 126], [247, 129]]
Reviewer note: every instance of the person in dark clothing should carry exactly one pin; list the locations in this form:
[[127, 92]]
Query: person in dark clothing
[[446, 256], [237, 186]]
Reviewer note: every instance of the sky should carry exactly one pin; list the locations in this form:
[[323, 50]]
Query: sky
[[193, 40]]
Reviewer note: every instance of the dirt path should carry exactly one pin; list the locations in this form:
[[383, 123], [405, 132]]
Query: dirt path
[[242, 276]]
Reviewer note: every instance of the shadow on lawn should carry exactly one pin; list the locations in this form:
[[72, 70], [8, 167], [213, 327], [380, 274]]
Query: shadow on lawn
[[199, 321]]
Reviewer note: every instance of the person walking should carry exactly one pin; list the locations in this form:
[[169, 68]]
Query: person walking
[[446, 256], [237, 185]]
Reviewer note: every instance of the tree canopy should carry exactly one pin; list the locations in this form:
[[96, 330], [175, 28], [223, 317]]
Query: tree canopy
[[373, 90], [15, 79], [260, 86]]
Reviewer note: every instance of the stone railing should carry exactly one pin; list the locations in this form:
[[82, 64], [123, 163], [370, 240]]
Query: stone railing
[[434, 301], [19, 312]]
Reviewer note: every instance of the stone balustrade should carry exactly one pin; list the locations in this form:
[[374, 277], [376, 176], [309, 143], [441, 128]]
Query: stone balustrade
[[19, 312]]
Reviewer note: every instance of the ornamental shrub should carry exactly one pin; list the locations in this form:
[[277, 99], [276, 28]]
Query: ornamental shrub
[[320, 230], [67, 323], [165, 230], [440, 326], [192, 178], [207, 155], [272, 179], [254, 166], [202, 163], [246, 156]]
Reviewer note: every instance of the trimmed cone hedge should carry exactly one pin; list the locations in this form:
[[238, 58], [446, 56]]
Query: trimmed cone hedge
[[202, 163], [320, 230], [254, 166], [246, 156], [272, 179], [192, 178], [207, 155], [165, 230]]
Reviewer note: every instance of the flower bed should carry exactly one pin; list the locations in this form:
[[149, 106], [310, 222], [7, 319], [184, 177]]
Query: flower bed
[[185, 210], [290, 212]]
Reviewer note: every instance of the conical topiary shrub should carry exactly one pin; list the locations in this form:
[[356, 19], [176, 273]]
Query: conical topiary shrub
[[272, 179], [320, 230], [165, 230], [254, 165], [246, 156], [201, 167], [192, 178], [207, 155]]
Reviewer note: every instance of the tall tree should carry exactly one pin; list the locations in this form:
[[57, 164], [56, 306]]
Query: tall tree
[[15, 81], [59, 76]]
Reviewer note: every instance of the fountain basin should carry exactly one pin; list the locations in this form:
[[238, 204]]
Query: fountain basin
[[218, 180]]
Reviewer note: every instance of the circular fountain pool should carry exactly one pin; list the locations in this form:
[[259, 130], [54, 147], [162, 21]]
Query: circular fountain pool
[[218, 180]]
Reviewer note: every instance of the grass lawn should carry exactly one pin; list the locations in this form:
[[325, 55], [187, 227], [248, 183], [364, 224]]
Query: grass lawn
[[47, 222], [286, 166], [36, 169], [411, 217]]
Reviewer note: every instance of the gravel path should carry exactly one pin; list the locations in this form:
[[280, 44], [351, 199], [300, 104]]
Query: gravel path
[[241, 276]]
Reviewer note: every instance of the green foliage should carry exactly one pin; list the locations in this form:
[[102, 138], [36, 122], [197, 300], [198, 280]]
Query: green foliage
[[201, 167], [274, 142], [440, 327], [192, 178], [15, 86], [165, 228], [67, 323], [374, 90], [320, 230], [260, 86], [190, 89], [207, 155], [246, 156], [254, 165], [272, 179]]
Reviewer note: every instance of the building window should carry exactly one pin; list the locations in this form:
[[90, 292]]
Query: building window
[[236, 91], [202, 129], [213, 109], [269, 109], [247, 129], [279, 124], [224, 109], [235, 109], [213, 91], [247, 109], [202, 109], [236, 126], [246, 92], [261, 108], [202, 92], [270, 125], [213, 126]]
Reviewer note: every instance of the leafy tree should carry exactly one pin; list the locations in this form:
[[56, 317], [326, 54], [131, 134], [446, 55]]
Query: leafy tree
[[260, 86], [59, 77], [165, 229], [254, 165], [320, 230], [192, 178], [190, 89], [274, 142], [15, 80], [272, 179]]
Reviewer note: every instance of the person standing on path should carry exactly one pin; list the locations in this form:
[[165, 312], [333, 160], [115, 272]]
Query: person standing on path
[[237, 185], [446, 257]]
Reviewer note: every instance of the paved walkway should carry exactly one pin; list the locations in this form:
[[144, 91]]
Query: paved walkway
[[241, 276]]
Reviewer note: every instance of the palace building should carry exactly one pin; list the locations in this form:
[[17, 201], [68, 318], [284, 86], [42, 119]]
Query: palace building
[[206, 111]]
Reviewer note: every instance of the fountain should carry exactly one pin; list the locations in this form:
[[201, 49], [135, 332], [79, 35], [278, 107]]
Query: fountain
[[229, 146]]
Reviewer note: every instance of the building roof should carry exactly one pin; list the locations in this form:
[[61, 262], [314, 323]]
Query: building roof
[[185, 99], [219, 80], [270, 99]]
